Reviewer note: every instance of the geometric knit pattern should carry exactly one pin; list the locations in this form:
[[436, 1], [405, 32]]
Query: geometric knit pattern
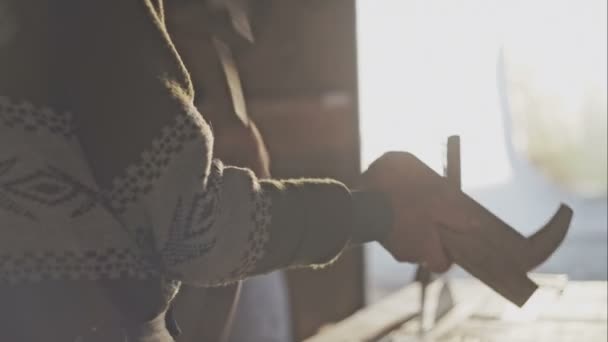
[[170, 214]]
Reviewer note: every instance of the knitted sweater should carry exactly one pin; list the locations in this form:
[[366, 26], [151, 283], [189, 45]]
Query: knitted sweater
[[173, 211], [113, 189]]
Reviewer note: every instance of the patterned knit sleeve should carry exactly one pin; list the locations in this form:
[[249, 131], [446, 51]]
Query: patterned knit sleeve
[[204, 223], [149, 151]]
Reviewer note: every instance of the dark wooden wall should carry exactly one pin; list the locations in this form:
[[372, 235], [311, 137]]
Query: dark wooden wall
[[301, 84]]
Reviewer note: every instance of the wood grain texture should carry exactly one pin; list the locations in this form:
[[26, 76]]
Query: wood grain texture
[[560, 311]]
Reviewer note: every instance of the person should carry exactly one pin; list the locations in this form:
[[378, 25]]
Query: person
[[111, 198]]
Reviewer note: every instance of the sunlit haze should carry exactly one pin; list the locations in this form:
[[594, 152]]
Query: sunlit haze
[[428, 69]]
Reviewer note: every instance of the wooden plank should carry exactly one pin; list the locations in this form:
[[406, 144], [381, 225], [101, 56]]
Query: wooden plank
[[544, 331], [557, 312], [371, 323], [499, 255], [585, 301]]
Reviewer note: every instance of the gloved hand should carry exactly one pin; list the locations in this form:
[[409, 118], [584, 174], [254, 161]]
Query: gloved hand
[[421, 201]]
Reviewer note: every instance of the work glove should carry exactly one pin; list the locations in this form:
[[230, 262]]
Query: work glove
[[420, 202]]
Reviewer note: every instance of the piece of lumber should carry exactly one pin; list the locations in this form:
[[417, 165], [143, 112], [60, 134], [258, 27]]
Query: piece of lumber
[[491, 250], [559, 311], [373, 321], [401, 308], [499, 256]]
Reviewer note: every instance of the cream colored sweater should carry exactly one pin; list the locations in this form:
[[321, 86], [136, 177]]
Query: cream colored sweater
[[173, 212]]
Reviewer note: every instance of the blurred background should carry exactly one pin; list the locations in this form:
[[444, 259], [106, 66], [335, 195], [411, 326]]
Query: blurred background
[[524, 85]]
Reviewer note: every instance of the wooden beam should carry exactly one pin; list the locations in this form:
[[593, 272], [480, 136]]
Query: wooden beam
[[397, 314]]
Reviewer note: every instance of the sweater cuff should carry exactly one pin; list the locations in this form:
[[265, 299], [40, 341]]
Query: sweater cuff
[[311, 222]]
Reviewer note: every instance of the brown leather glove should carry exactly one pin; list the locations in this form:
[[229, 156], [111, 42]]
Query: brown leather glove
[[421, 201]]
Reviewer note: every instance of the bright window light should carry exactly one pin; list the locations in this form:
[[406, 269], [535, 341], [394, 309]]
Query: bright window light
[[428, 69], [523, 82]]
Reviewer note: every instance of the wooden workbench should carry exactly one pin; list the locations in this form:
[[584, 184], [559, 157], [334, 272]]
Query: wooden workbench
[[560, 311]]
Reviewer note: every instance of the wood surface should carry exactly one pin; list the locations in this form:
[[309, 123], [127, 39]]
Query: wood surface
[[559, 311]]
